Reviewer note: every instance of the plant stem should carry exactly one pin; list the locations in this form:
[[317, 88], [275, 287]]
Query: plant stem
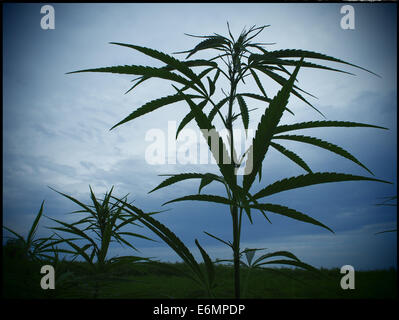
[[234, 209], [236, 252]]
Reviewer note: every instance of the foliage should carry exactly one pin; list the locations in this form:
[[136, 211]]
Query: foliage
[[31, 248], [102, 225], [237, 59], [390, 202]]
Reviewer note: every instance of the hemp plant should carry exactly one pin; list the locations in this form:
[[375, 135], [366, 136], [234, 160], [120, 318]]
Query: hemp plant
[[32, 248], [102, 224], [235, 60]]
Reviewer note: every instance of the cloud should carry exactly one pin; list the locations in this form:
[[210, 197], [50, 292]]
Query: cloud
[[56, 126]]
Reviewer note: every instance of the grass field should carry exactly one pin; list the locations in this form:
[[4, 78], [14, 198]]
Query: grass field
[[165, 281]]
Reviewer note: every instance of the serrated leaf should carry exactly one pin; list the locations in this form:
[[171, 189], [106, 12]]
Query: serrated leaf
[[151, 106], [33, 228], [15, 234], [259, 84], [211, 86], [294, 53], [142, 71], [255, 96], [308, 180], [210, 269], [216, 108], [73, 230], [213, 42], [291, 155], [77, 202], [279, 79], [189, 117], [207, 179], [184, 176], [286, 254], [282, 82], [294, 263], [244, 112], [290, 213], [325, 145], [265, 131], [217, 238], [285, 62], [169, 60], [261, 98], [189, 63], [322, 124], [166, 235], [202, 197], [209, 132]]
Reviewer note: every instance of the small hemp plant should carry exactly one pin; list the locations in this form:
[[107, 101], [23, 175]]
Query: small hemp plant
[[236, 59], [102, 224], [31, 247]]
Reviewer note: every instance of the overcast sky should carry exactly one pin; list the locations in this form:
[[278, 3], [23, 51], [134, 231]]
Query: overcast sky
[[56, 126]]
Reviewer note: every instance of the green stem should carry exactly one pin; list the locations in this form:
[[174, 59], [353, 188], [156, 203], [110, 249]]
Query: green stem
[[247, 281], [234, 210], [236, 252]]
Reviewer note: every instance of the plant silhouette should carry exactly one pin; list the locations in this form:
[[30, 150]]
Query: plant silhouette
[[235, 60]]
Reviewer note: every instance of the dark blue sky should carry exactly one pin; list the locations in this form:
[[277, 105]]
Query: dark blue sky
[[56, 126]]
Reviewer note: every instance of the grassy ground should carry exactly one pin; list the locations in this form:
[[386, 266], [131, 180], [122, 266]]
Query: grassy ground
[[164, 281]]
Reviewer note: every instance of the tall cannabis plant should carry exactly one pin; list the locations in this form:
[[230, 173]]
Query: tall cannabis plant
[[235, 60]]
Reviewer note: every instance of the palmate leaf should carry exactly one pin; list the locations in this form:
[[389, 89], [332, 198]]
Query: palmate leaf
[[212, 42], [265, 131], [151, 106], [291, 155], [294, 53], [169, 60], [325, 145], [308, 180], [288, 212]]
